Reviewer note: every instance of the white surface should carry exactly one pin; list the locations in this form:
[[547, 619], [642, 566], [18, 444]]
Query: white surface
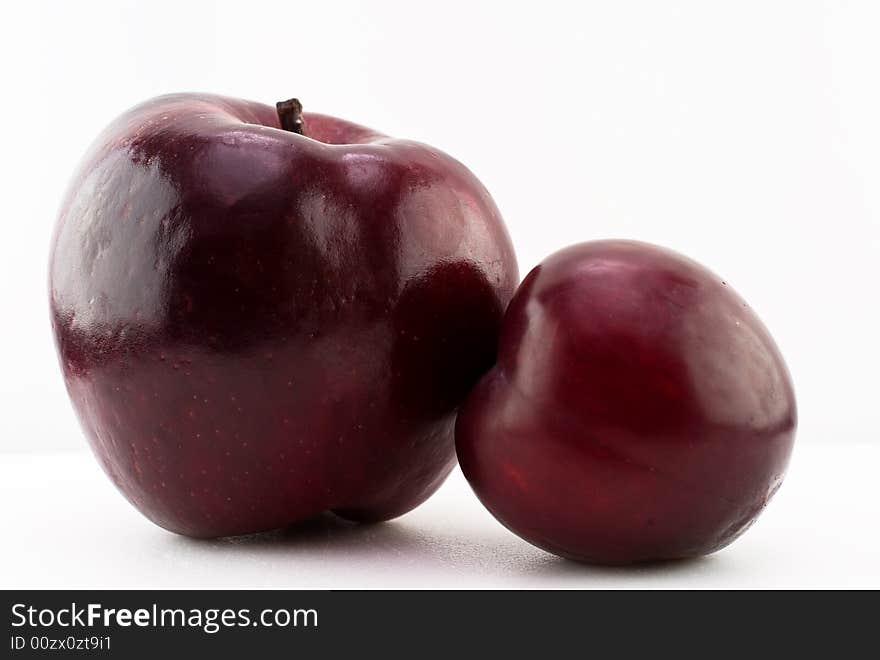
[[743, 134], [65, 526]]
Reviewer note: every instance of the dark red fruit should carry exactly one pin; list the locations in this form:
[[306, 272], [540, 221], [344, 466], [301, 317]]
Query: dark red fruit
[[256, 325], [639, 410]]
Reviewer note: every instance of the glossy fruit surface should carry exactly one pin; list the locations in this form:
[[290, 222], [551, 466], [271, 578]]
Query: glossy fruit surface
[[639, 410], [256, 325]]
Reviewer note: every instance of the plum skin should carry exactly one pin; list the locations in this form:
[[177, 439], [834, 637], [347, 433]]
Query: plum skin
[[638, 411], [256, 326]]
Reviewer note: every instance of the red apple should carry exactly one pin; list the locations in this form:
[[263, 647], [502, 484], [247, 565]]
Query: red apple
[[639, 410], [258, 324]]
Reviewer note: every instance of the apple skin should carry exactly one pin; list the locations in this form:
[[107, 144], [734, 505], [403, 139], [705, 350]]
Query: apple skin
[[638, 411], [256, 326]]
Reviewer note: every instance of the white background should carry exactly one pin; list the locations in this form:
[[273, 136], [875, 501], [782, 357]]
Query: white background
[[745, 135]]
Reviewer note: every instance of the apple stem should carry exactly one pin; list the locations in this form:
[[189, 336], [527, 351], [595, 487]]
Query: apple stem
[[290, 115]]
